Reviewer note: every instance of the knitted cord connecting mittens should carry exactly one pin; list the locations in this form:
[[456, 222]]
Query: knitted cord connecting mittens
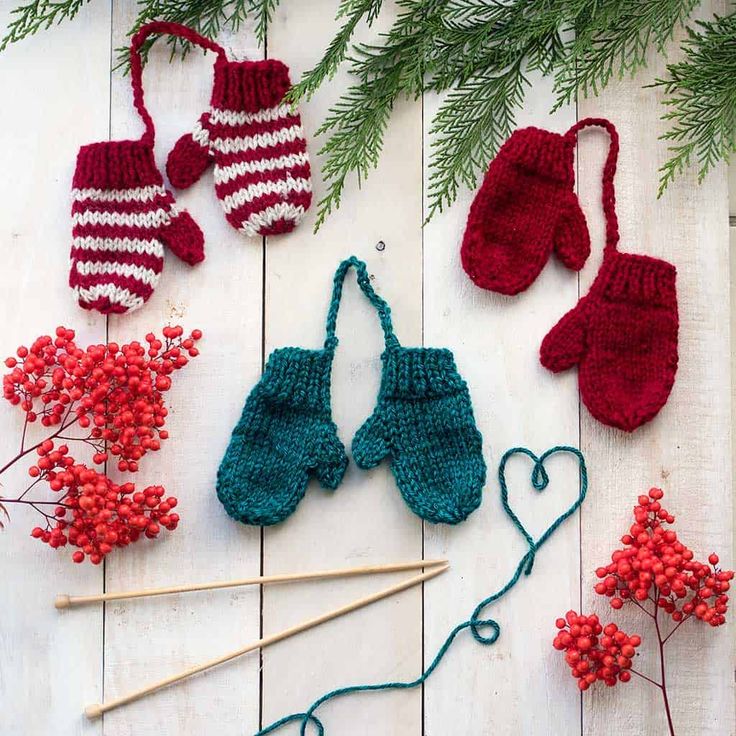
[[423, 421]]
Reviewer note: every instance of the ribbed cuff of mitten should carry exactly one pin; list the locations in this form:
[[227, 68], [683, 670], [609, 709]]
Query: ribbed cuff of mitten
[[116, 165], [542, 152], [299, 377], [419, 373], [249, 86], [635, 278]]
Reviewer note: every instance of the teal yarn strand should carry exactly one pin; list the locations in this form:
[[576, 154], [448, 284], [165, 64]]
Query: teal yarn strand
[[485, 631]]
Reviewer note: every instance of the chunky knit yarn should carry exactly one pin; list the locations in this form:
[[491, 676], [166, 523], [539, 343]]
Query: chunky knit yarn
[[284, 436], [256, 139], [121, 213], [424, 421], [623, 334], [525, 207]]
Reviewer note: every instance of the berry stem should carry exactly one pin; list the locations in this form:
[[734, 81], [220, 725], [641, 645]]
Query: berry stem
[[663, 685], [648, 613], [23, 434], [664, 641], [25, 452], [644, 677]]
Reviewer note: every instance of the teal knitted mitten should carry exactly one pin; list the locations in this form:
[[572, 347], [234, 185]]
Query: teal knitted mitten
[[285, 435], [424, 421]]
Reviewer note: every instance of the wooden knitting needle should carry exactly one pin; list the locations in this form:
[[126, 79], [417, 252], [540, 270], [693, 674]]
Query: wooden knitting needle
[[65, 601], [96, 710]]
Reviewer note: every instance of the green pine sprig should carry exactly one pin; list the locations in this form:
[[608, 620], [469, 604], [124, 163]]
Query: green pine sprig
[[26, 20], [700, 97], [477, 55]]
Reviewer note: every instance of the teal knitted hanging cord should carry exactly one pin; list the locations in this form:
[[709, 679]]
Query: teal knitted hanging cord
[[423, 422], [475, 623]]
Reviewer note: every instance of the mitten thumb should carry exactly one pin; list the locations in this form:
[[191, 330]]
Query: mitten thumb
[[571, 239], [369, 444], [189, 158], [183, 236], [331, 461], [564, 344]]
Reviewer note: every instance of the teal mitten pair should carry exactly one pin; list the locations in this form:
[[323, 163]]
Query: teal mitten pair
[[423, 421]]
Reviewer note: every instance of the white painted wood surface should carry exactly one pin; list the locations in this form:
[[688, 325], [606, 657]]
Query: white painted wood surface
[[250, 297]]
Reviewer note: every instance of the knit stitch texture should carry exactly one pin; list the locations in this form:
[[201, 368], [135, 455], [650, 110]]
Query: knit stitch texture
[[525, 207], [424, 421], [121, 213], [256, 140], [623, 334], [284, 436]]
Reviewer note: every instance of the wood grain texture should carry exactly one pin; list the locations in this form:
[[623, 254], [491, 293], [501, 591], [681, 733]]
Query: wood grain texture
[[496, 341], [686, 450], [364, 520], [49, 663], [154, 638], [250, 297]]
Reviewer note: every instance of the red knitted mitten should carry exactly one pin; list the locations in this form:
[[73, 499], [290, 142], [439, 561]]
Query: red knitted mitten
[[623, 337], [623, 334], [525, 207], [262, 173], [121, 212]]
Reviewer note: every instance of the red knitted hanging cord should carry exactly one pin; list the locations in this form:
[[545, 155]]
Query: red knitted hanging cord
[[136, 63], [609, 172]]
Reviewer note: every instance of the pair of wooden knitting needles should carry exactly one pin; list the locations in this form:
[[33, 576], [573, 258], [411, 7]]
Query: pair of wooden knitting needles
[[433, 567]]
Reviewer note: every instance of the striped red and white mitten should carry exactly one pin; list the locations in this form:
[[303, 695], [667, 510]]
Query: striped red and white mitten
[[122, 216], [256, 140]]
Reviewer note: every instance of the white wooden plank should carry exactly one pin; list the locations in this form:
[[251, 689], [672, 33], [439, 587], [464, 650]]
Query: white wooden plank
[[41, 132], [148, 639], [365, 519], [513, 686], [686, 449]]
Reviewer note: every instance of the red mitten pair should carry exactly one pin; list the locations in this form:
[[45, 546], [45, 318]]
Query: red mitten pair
[[623, 334]]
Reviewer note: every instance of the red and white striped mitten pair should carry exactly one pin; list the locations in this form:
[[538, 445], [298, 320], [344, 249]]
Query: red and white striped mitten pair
[[122, 214]]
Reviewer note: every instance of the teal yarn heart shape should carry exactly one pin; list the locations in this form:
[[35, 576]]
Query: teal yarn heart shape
[[476, 624], [540, 481]]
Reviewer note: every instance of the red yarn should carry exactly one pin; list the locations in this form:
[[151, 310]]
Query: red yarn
[[623, 333], [525, 207], [255, 138], [121, 211]]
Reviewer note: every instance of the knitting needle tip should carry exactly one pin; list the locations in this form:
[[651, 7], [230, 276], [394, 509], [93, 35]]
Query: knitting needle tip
[[62, 601], [93, 711]]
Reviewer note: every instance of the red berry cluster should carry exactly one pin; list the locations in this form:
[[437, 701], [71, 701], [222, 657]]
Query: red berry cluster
[[96, 514], [115, 395], [595, 652], [655, 565], [115, 391]]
